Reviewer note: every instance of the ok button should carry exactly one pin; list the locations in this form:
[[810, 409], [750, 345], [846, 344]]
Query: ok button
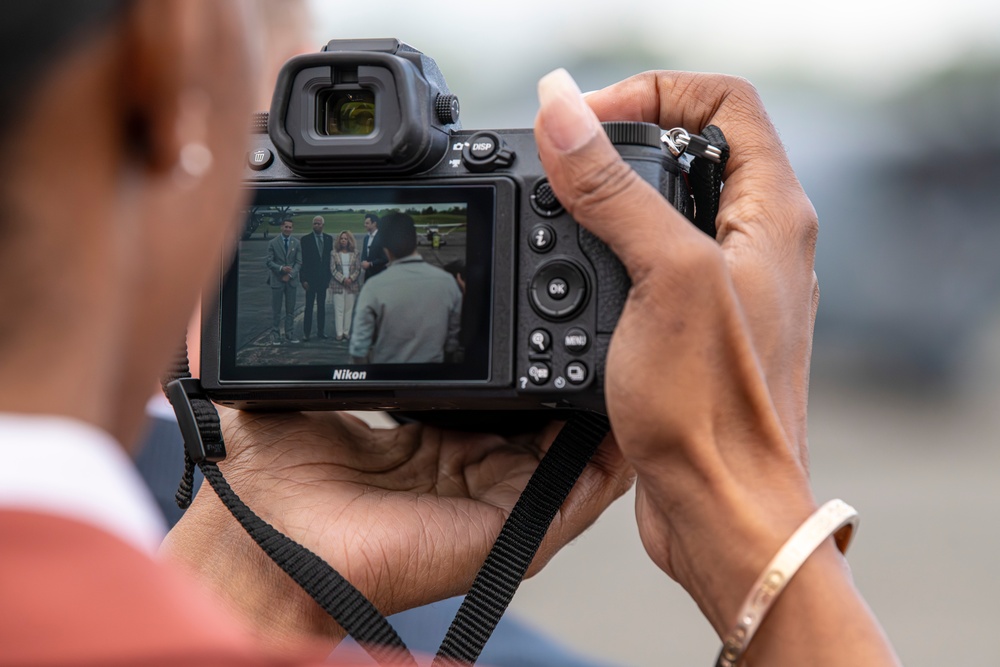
[[558, 289]]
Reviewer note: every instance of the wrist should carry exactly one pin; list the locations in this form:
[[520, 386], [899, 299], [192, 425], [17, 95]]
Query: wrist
[[212, 547], [717, 537]]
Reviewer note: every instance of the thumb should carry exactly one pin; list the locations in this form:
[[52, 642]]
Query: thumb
[[595, 185]]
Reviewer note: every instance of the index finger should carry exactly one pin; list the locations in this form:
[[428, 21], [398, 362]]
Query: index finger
[[762, 196]]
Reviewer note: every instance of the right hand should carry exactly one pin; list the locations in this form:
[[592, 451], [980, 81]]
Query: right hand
[[707, 371]]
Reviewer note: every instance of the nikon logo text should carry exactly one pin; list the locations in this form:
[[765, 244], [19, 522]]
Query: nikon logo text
[[343, 374]]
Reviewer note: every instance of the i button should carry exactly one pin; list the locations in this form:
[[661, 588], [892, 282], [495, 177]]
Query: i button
[[542, 238]]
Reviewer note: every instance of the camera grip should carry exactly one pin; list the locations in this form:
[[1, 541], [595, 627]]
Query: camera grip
[[613, 282]]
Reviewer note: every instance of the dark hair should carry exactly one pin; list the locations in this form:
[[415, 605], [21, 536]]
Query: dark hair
[[35, 34], [399, 234], [373, 217]]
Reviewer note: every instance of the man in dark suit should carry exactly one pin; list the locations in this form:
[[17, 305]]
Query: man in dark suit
[[315, 276], [373, 258], [284, 260]]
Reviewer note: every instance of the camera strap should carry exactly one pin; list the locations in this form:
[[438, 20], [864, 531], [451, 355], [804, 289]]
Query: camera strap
[[494, 585], [204, 446], [518, 541]]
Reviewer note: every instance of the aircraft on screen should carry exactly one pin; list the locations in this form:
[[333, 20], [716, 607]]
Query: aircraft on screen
[[435, 235]]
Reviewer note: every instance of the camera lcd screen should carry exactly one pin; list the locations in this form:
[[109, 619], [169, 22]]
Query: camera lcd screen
[[421, 317]]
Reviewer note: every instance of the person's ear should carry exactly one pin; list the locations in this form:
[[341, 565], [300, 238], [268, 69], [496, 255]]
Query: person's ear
[[161, 105]]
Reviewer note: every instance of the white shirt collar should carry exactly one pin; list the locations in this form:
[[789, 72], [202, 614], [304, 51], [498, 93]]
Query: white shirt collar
[[65, 467]]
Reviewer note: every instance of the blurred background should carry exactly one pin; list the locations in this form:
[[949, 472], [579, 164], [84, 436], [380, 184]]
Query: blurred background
[[889, 113]]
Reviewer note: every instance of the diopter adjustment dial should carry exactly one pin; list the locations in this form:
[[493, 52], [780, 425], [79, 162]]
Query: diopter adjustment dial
[[486, 151], [258, 122], [447, 109]]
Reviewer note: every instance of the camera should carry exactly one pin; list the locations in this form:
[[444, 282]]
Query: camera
[[482, 293]]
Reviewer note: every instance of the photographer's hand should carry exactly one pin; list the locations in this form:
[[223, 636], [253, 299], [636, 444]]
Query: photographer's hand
[[407, 515], [707, 374]]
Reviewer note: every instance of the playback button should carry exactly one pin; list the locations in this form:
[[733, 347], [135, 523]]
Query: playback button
[[576, 372]]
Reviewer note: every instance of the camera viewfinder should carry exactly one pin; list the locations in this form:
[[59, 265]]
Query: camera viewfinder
[[347, 112]]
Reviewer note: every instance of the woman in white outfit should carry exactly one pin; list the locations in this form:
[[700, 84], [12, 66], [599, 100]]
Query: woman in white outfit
[[346, 270]]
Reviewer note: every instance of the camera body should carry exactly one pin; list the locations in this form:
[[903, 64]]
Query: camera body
[[369, 128]]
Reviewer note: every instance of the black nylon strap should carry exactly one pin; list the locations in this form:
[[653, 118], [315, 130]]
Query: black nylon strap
[[342, 601], [522, 534], [705, 178]]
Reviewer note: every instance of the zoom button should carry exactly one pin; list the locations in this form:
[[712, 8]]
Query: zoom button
[[540, 341], [539, 373]]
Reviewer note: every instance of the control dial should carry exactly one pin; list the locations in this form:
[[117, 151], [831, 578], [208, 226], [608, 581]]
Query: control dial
[[633, 133]]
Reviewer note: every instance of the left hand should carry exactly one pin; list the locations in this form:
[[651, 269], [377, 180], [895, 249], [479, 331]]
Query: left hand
[[407, 515]]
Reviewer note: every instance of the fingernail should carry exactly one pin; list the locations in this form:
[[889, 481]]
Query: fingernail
[[567, 119]]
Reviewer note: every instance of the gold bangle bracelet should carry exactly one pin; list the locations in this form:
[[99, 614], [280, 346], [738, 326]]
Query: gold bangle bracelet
[[835, 518]]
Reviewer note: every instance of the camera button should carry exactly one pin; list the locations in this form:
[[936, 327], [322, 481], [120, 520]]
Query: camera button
[[483, 146], [544, 201], [558, 289], [576, 340], [576, 372], [260, 159], [542, 238], [485, 151], [539, 373], [540, 340]]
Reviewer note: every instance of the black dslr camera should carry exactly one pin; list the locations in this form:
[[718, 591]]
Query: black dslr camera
[[368, 128]]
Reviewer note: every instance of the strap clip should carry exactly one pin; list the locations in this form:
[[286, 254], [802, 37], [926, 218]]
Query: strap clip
[[197, 419]]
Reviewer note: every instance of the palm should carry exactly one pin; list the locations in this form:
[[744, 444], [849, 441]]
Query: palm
[[408, 514]]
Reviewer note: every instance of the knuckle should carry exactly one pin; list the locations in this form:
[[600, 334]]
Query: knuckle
[[705, 260], [808, 229], [700, 261], [711, 93]]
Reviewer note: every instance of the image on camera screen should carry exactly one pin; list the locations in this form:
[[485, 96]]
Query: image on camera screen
[[363, 283]]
